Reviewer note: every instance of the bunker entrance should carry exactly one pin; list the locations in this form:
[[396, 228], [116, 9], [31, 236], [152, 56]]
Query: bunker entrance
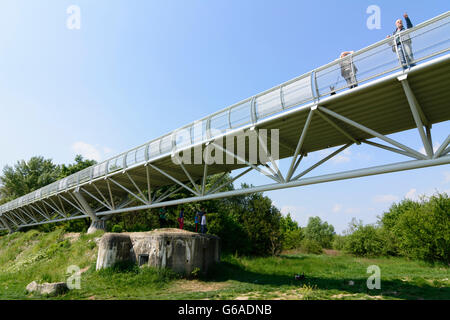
[[143, 259]]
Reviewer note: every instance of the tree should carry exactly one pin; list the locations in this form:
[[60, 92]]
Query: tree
[[322, 232], [423, 230], [27, 176], [80, 164], [364, 240], [292, 234], [261, 221]]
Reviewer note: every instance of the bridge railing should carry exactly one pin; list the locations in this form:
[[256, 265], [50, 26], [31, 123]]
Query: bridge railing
[[427, 40]]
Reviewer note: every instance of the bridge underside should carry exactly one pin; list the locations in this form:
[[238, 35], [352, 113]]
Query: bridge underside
[[363, 115]]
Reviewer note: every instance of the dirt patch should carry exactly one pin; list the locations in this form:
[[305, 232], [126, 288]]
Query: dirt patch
[[288, 295], [365, 297], [331, 252], [294, 294], [72, 236], [197, 286], [84, 269]]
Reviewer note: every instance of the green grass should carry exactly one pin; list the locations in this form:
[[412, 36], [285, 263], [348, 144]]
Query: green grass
[[29, 256]]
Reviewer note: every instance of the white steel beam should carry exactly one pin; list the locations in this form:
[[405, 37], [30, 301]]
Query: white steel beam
[[172, 178], [6, 224], [322, 161], [371, 132], [415, 107], [440, 151], [301, 140], [395, 167], [127, 190], [381, 146]]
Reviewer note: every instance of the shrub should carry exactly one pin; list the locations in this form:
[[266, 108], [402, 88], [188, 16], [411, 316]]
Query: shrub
[[311, 246], [364, 241], [424, 231], [117, 228], [293, 239], [226, 226], [339, 242], [322, 232]]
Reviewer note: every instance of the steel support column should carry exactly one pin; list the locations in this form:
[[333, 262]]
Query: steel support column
[[417, 114], [96, 224], [6, 224]]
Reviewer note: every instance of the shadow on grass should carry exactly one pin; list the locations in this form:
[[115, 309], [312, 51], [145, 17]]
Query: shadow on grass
[[291, 257], [398, 289]]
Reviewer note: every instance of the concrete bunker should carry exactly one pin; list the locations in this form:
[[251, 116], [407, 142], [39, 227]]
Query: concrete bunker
[[180, 250]]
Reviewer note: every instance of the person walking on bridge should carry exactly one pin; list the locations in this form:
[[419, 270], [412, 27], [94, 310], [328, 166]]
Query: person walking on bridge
[[348, 68], [402, 42]]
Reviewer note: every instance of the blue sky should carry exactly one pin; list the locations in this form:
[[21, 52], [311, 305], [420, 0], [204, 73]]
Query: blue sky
[[138, 69]]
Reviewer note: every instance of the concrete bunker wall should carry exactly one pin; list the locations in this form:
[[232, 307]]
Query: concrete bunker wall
[[180, 250]]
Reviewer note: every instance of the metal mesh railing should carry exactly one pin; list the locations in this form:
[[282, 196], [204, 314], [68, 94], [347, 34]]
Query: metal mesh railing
[[418, 44]]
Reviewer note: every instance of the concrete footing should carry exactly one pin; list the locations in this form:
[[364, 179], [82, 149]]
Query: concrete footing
[[97, 225], [182, 251]]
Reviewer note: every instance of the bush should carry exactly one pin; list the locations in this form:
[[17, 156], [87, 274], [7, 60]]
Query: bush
[[322, 232], [364, 241], [117, 228], [226, 226], [339, 242], [311, 246], [292, 234], [293, 239], [423, 231]]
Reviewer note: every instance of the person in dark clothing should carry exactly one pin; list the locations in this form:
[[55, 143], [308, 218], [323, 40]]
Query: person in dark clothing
[[181, 218], [198, 218], [196, 221], [402, 43], [163, 217]]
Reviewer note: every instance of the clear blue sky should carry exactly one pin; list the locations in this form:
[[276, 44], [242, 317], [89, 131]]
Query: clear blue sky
[[138, 69]]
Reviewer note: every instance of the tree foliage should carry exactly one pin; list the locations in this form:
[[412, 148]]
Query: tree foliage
[[413, 229], [364, 240], [422, 230], [292, 233], [27, 176], [319, 231], [80, 164]]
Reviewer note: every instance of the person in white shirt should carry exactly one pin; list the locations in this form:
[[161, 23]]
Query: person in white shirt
[[203, 223]]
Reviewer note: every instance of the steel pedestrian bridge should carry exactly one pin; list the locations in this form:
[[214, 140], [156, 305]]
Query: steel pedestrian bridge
[[315, 111]]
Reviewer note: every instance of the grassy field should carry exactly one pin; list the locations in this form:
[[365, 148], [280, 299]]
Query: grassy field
[[29, 256]]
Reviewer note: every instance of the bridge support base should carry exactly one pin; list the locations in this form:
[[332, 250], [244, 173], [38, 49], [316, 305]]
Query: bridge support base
[[97, 225], [6, 224]]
